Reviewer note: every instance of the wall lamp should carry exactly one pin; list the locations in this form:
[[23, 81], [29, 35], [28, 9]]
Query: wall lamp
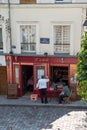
[[85, 25], [45, 54]]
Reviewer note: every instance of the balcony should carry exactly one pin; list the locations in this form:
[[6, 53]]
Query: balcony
[[62, 48], [28, 47]]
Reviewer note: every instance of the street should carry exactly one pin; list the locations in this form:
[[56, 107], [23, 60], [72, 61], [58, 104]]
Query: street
[[42, 118]]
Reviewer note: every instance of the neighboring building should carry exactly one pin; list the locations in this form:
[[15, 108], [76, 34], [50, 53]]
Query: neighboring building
[[40, 37]]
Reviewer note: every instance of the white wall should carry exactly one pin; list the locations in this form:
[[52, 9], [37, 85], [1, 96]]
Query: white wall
[[46, 1], [79, 1], [11, 1], [44, 17]]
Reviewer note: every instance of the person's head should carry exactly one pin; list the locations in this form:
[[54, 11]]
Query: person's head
[[42, 76]]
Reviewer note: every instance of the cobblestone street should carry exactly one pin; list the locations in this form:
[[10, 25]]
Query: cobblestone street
[[42, 118]]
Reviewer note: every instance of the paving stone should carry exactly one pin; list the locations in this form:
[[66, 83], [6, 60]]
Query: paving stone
[[42, 118]]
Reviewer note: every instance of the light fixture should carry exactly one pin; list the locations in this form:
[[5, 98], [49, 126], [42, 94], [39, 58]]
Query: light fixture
[[45, 53], [85, 25]]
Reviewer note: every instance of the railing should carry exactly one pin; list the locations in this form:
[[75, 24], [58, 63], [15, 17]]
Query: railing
[[62, 48], [28, 47]]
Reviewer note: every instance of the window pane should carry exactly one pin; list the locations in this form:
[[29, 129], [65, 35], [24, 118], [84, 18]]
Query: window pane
[[61, 38], [66, 35], [28, 37], [1, 43], [61, 34]]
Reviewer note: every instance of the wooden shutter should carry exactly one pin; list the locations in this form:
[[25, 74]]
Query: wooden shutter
[[27, 1]]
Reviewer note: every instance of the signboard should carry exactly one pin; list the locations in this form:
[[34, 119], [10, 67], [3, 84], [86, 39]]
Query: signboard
[[44, 40]]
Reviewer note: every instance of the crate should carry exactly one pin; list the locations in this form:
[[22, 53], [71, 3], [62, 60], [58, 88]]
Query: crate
[[33, 97]]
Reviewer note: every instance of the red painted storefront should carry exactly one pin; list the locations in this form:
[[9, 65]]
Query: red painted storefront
[[20, 67]]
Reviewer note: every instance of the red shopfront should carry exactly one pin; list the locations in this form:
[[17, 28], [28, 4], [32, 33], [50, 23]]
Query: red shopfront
[[20, 68]]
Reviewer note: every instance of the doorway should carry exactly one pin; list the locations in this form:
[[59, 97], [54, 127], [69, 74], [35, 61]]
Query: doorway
[[27, 76], [59, 72]]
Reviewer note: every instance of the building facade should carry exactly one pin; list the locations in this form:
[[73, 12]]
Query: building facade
[[40, 37]]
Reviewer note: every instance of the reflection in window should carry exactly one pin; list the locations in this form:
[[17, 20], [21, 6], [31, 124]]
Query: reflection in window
[[61, 38], [28, 38]]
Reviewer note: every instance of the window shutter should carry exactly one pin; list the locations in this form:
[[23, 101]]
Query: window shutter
[[27, 1]]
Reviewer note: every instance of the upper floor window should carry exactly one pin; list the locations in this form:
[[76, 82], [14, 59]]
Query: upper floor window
[[62, 38], [3, 1], [28, 38], [27, 1], [1, 41], [59, 0]]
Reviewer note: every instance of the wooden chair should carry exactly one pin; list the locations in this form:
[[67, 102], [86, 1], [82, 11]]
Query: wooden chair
[[68, 99]]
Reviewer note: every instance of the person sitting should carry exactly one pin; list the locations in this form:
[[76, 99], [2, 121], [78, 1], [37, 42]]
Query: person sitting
[[58, 85], [64, 93], [30, 83]]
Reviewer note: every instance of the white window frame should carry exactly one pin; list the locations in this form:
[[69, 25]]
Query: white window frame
[[19, 35], [61, 34], [61, 23], [29, 36]]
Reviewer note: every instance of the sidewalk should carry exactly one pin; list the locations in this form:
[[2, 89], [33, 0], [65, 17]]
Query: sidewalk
[[25, 101]]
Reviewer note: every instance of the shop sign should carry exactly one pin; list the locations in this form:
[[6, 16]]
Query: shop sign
[[44, 40]]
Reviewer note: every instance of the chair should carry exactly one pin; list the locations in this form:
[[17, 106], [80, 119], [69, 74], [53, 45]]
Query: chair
[[33, 97], [67, 99]]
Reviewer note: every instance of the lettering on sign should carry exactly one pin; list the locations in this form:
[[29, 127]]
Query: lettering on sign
[[41, 59]]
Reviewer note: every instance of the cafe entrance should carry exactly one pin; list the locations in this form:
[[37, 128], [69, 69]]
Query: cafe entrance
[[27, 74]]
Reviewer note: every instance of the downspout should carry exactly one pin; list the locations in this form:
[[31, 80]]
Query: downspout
[[9, 17]]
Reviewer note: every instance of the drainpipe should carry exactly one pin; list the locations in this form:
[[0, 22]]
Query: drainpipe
[[9, 16]]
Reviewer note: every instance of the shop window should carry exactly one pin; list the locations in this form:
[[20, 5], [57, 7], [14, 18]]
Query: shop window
[[1, 41], [27, 1], [17, 74], [59, 73], [61, 39], [28, 38]]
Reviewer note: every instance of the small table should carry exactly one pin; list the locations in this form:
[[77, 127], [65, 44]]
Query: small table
[[54, 92]]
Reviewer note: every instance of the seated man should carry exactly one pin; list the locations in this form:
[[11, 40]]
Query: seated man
[[65, 93]]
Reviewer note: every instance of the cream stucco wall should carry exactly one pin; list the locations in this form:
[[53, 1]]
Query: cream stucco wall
[[45, 18], [4, 13], [46, 1]]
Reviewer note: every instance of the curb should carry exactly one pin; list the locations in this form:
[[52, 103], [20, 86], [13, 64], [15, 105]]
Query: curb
[[45, 105]]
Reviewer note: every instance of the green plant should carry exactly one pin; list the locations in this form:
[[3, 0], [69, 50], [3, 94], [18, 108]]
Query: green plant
[[82, 68], [82, 90]]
